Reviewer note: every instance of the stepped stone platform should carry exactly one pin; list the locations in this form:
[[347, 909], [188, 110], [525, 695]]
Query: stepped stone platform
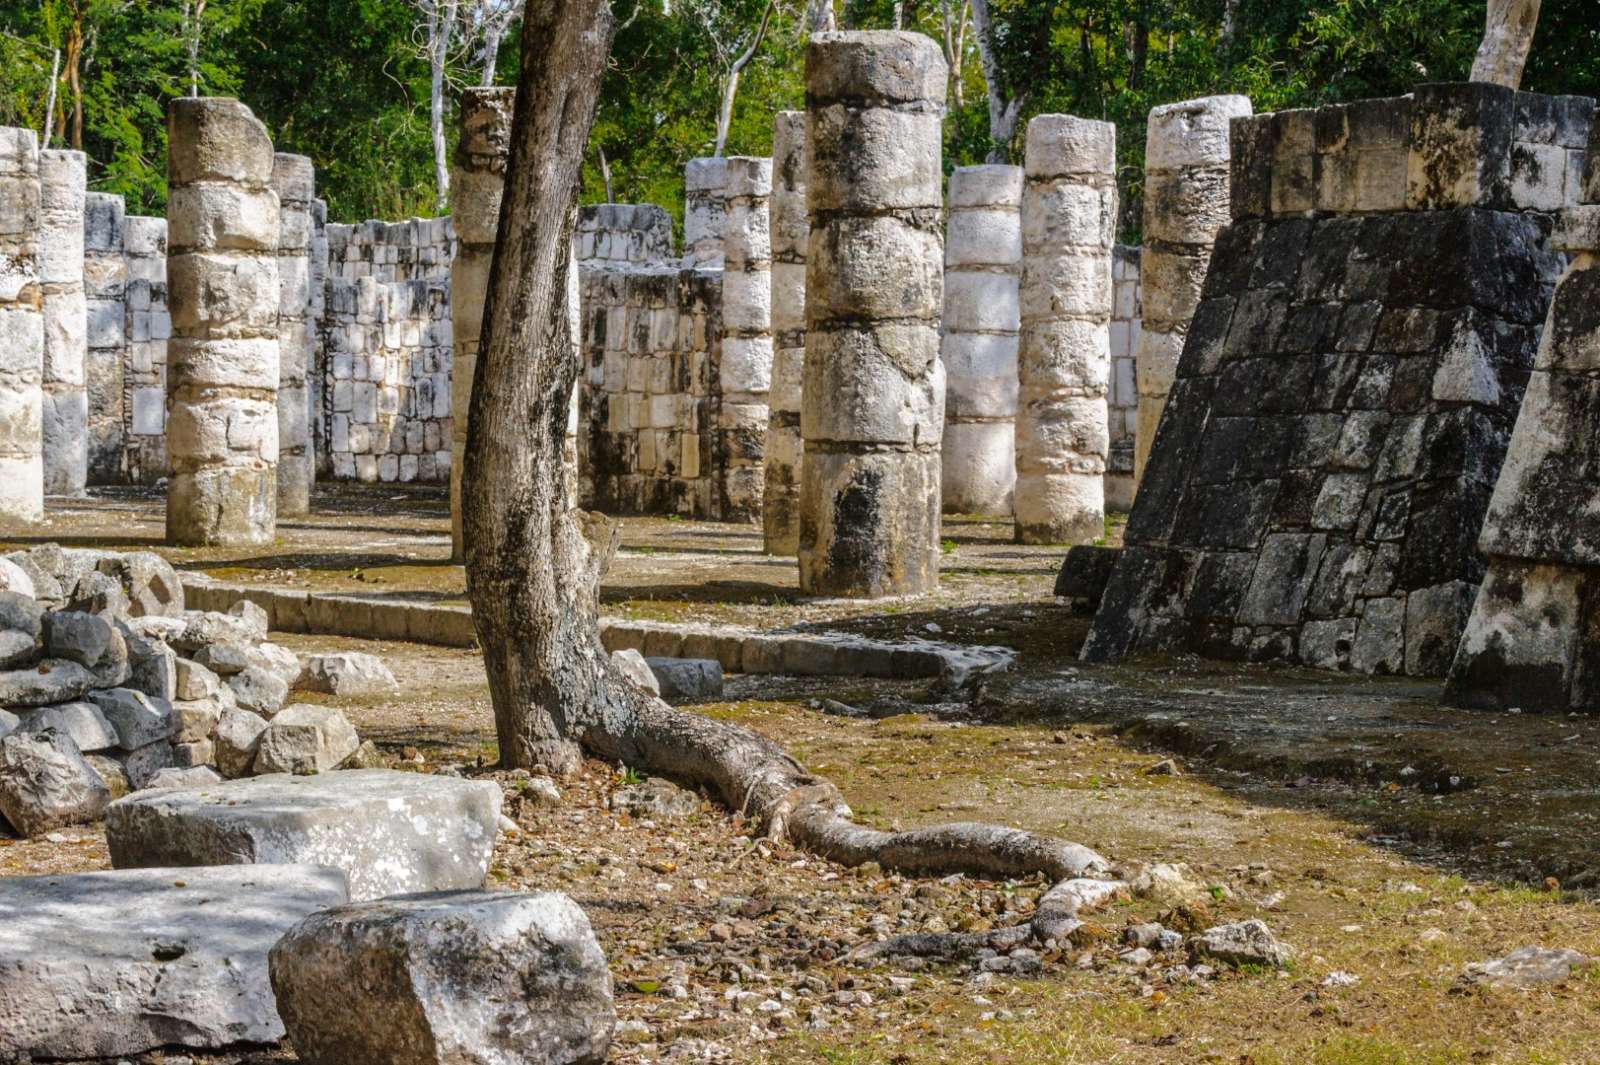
[[1349, 384], [1531, 640], [106, 964], [389, 832]]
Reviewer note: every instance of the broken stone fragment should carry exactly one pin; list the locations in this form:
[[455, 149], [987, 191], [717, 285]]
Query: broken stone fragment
[[83, 721], [366, 756], [633, 666], [22, 613], [96, 593], [237, 736], [51, 681], [1530, 967], [14, 579], [117, 963], [139, 719], [345, 673], [46, 784], [453, 978], [17, 649], [150, 583], [683, 680], [257, 689], [390, 832], [212, 627], [141, 766], [196, 719], [1244, 943], [111, 774], [197, 776], [305, 739], [152, 667], [655, 798], [194, 681], [77, 637]]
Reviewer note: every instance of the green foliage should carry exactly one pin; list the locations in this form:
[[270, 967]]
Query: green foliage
[[343, 81]]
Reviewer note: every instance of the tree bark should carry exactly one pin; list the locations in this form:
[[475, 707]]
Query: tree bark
[[1507, 39], [534, 564], [730, 88], [953, 18], [819, 16], [1003, 113]]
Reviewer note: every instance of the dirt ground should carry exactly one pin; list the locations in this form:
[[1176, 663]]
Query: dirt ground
[[1387, 841]]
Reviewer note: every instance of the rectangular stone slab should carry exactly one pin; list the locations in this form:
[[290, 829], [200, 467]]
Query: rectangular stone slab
[[391, 833], [106, 964]]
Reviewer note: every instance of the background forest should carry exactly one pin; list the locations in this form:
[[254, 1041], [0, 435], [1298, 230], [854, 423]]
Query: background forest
[[367, 87]]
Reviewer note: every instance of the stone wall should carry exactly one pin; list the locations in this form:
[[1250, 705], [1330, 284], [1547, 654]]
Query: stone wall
[[1529, 641], [387, 397], [105, 276], [147, 326], [414, 250], [1348, 384]]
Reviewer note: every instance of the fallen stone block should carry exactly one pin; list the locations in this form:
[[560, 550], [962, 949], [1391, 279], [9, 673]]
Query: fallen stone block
[[83, 721], [257, 689], [633, 666], [390, 832], [140, 766], [196, 719], [198, 776], [17, 648], [51, 681], [455, 978], [111, 774], [45, 783], [97, 593], [684, 680], [655, 798], [346, 673], [106, 964], [9, 722], [149, 582], [152, 667], [1085, 572], [194, 681], [305, 739], [139, 719], [22, 613], [77, 637], [237, 737], [13, 578]]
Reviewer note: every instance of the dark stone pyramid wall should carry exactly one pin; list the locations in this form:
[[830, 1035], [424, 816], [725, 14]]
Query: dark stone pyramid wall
[[1533, 640], [1349, 384]]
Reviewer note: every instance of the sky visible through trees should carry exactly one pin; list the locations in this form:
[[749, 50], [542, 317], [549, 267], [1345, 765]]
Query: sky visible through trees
[[349, 82]]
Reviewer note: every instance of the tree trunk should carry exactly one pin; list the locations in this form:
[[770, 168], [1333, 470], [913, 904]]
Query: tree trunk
[[953, 17], [819, 16], [441, 24], [534, 564], [74, 74], [491, 55], [730, 87], [1003, 113], [1507, 38]]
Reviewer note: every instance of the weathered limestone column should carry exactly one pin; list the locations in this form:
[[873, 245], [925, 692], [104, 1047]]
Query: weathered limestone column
[[105, 274], [872, 413], [21, 329], [1186, 203], [745, 372], [1069, 210], [982, 270], [222, 278], [477, 182], [789, 229], [294, 180], [148, 327], [62, 181], [317, 375], [704, 214]]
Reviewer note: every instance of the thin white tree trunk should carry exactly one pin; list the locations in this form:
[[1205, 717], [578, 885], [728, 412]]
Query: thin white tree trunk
[[1507, 39], [730, 88], [441, 25], [1003, 113], [819, 16]]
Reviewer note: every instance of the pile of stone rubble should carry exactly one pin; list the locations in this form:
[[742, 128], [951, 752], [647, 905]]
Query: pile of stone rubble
[[108, 686]]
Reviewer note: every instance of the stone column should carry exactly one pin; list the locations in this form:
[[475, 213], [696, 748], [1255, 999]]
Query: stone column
[[872, 412], [317, 375], [105, 274], [476, 183], [982, 268], [222, 278], [1186, 203], [1069, 210], [704, 197], [66, 322], [789, 228], [294, 180], [745, 370], [21, 329], [148, 327]]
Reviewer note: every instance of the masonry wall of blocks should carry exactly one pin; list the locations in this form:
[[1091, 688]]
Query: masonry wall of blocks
[[666, 420]]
